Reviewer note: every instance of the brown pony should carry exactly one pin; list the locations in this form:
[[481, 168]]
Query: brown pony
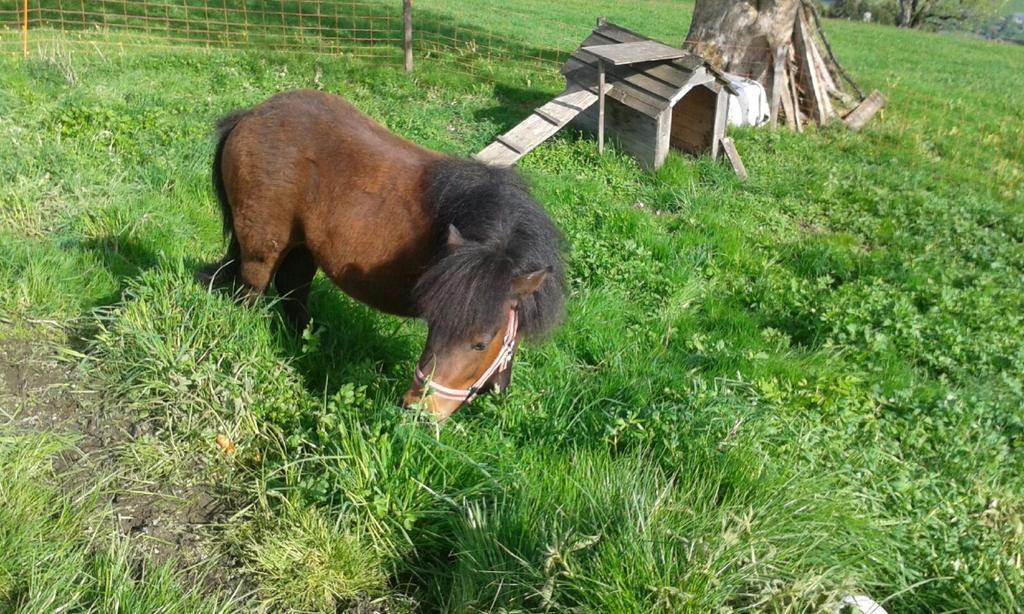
[[306, 182]]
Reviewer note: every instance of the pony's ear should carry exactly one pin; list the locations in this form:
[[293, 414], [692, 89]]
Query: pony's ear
[[528, 283], [454, 237]]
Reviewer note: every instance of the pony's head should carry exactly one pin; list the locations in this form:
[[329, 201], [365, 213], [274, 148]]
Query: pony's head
[[499, 280]]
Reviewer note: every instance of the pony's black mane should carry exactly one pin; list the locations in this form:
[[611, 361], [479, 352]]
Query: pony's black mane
[[507, 234]]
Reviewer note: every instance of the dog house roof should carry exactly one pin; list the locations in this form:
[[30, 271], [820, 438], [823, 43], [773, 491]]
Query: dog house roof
[[649, 87]]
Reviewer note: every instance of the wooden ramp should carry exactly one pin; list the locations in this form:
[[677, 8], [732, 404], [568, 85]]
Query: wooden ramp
[[541, 125]]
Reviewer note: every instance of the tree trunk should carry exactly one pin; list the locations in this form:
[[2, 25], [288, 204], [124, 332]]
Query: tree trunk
[[740, 37], [906, 16], [778, 43]]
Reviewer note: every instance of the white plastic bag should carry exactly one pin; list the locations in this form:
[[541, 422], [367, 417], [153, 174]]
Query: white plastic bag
[[749, 106]]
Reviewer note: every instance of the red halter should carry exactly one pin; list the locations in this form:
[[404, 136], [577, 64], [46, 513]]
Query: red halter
[[501, 362]]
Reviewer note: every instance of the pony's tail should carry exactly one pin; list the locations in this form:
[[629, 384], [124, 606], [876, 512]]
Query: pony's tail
[[224, 127], [225, 271]]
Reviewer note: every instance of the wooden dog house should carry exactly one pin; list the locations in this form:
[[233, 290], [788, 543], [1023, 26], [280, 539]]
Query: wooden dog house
[[656, 97], [654, 102]]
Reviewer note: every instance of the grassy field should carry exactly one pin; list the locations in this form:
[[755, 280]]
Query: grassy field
[[766, 395]]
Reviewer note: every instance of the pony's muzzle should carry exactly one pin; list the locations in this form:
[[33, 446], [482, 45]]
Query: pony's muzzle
[[438, 407]]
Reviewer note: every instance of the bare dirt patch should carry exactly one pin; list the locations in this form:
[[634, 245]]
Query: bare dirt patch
[[167, 514], [37, 390]]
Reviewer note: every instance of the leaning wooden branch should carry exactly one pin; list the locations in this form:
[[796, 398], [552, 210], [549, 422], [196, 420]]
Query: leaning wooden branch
[[863, 113], [817, 99], [831, 54], [734, 158]]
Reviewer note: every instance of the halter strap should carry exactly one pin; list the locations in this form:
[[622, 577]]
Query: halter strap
[[501, 362]]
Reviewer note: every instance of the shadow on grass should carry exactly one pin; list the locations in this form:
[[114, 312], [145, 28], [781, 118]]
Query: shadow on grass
[[124, 259], [515, 105], [347, 342]]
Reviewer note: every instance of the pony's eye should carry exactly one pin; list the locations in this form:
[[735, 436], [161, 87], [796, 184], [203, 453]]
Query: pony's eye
[[479, 347]]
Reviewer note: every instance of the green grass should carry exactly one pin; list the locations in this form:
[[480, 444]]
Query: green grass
[[770, 395], [56, 553]]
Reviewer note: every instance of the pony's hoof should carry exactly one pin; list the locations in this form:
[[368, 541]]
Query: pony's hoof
[[214, 276]]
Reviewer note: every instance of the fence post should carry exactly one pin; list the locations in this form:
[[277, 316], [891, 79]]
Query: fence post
[[407, 43], [24, 29]]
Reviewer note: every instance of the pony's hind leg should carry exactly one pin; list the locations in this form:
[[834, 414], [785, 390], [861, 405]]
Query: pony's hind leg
[[293, 280], [223, 273], [258, 258], [255, 274]]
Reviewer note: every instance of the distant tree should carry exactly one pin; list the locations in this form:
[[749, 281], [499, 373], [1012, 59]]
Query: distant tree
[[1005, 27], [946, 14], [930, 14], [906, 18], [882, 11]]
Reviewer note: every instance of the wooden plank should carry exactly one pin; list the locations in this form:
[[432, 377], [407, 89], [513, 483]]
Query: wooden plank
[[672, 74], [814, 93], [788, 106], [663, 138], [631, 98], [618, 34], [734, 158], [508, 142], [706, 82], [610, 33], [778, 78], [541, 113], [825, 82], [862, 113], [632, 132], [600, 106], [621, 91], [538, 127], [632, 76], [828, 83], [497, 154], [618, 54], [569, 104], [575, 97], [529, 133], [721, 115], [795, 95], [602, 36], [641, 81]]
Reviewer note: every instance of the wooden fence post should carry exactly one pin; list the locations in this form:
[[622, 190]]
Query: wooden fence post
[[600, 106], [24, 30], [407, 43]]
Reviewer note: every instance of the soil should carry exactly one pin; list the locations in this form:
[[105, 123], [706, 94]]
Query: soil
[[173, 519]]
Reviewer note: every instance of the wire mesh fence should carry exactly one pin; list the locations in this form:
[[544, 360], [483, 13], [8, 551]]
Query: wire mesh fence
[[478, 37], [368, 29]]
